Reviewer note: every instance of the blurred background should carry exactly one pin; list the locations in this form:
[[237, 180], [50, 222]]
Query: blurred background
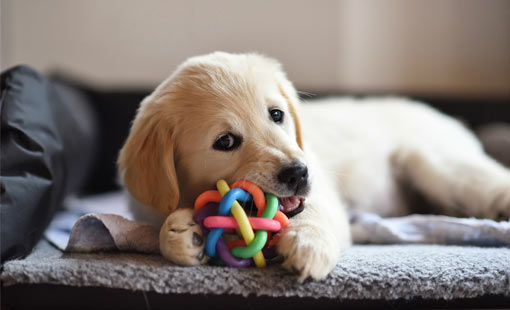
[[452, 54], [458, 48]]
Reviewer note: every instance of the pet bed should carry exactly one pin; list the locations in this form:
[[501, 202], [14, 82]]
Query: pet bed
[[398, 273]]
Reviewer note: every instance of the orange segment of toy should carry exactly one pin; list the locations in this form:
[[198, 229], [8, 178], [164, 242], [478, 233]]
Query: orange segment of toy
[[206, 197], [255, 191], [282, 218]]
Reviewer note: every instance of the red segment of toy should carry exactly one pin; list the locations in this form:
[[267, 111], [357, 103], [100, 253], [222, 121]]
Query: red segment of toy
[[235, 243], [273, 240], [257, 223], [206, 197]]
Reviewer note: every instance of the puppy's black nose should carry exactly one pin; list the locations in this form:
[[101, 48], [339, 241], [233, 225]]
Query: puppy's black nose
[[294, 176]]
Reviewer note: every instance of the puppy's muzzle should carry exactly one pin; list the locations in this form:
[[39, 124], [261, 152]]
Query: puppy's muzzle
[[294, 177]]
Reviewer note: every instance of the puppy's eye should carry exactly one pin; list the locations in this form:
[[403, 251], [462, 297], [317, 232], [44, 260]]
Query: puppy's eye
[[276, 115], [227, 142]]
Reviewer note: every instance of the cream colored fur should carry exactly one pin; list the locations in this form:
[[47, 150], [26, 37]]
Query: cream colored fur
[[357, 152]]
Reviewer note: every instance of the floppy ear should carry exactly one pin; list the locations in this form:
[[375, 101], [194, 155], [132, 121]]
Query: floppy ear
[[297, 124], [146, 162], [290, 94]]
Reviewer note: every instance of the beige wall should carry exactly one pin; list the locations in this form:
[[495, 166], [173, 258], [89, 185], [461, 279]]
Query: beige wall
[[442, 47], [447, 46]]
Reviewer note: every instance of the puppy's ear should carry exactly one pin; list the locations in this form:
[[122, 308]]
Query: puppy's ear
[[290, 94], [146, 162], [297, 124]]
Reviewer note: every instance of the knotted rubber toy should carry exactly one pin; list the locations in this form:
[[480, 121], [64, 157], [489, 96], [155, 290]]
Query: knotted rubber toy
[[269, 221]]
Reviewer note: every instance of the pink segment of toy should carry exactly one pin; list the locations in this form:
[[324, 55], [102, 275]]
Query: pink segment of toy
[[257, 223]]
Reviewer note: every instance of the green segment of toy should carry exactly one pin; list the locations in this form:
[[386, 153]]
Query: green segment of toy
[[271, 206], [260, 235]]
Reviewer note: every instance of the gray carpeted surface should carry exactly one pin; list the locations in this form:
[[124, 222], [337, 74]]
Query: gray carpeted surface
[[364, 272]]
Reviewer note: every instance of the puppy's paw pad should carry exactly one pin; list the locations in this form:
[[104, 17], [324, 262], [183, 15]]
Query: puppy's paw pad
[[500, 208], [181, 241]]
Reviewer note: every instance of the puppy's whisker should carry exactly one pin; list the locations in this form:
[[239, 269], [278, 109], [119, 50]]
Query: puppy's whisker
[[338, 174], [305, 93]]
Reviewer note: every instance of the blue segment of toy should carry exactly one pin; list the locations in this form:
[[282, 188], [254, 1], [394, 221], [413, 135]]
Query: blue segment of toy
[[229, 198], [225, 206]]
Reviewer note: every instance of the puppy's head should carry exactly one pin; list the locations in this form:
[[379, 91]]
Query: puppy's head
[[219, 116]]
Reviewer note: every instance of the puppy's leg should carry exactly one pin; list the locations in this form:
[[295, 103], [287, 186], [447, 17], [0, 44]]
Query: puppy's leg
[[181, 240], [464, 182], [312, 243]]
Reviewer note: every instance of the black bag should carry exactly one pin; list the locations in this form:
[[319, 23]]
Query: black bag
[[48, 140]]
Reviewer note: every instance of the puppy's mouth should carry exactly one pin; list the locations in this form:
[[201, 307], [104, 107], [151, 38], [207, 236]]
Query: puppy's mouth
[[292, 205]]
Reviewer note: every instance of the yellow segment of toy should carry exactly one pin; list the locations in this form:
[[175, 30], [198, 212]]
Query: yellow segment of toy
[[243, 222]]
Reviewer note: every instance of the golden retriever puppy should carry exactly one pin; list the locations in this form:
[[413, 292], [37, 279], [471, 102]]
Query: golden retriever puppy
[[235, 116]]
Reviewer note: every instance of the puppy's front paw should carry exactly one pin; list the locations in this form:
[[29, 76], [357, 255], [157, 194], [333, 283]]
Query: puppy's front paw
[[181, 240], [309, 250], [500, 208]]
